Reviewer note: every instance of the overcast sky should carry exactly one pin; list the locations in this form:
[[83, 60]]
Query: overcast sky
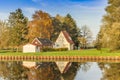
[[84, 12]]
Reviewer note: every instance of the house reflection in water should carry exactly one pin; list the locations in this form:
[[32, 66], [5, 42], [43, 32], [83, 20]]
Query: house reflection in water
[[29, 64], [63, 66], [53, 71]]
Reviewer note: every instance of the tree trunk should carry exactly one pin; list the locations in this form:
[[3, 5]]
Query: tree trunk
[[17, 49]]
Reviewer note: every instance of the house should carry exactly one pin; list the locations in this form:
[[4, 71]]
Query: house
[[63, 66], [29, 64], [64, 41], [30, 48], [42, 43]]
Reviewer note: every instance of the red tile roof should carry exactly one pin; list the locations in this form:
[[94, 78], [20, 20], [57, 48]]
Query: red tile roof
[[67, 36]]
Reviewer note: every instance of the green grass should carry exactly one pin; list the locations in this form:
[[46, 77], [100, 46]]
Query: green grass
[[90, 52]]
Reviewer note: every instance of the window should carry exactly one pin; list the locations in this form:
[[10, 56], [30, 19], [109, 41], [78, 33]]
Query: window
[[36, 42], [57, 45]]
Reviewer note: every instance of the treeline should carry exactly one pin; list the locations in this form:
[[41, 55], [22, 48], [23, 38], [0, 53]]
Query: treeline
[[109, 34], [18, 30]]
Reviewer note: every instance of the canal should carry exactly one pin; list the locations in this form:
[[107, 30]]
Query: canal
[[24, 70]]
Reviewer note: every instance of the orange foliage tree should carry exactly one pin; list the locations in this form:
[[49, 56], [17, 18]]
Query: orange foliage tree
[[40, 26]]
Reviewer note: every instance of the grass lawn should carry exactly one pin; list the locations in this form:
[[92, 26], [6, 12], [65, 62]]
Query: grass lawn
[[90, 52]]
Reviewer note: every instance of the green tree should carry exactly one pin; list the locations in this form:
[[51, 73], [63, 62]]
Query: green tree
[[57, 28], [70, 26], [67, 23], [18, 28]]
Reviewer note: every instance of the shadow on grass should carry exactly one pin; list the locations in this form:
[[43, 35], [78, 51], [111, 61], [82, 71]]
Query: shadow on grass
[[3, 51], [7, 51]]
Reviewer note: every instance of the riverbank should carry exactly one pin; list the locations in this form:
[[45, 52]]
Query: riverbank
[[62, 58], [89, 52], [92, 55]]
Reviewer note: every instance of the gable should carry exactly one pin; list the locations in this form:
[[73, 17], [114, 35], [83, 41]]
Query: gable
[[61, 39], [63, 66], [36, 42], [66, 36], [42, 41], [27, 45]]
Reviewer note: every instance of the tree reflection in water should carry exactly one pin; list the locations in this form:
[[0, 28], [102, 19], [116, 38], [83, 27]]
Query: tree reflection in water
[[72, 71], [43, 71], [111, 71], [12, 71]]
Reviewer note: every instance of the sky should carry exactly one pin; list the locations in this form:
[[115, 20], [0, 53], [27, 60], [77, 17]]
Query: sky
[[84, 12]]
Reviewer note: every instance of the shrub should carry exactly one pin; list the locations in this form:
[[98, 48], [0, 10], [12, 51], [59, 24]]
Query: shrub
[[54, 49], [61, 49], [47, 49]]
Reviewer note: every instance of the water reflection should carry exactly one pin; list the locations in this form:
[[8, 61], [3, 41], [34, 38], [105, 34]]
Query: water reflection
[[111, 71], [89, 71], [50, 71], [13, 71]]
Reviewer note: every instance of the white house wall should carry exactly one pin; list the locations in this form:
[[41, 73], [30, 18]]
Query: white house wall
[[30, 48], [61, 42]]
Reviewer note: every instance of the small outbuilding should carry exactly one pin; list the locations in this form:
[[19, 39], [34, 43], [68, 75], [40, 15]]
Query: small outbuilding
[[30, 48]]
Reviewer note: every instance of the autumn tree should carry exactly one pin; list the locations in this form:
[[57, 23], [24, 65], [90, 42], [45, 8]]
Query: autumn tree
[[45, 26], [40, 26], [98, 44], [110, 27], [86, 36], [60, 18], [18, 28], [12, 70], [4, 34], [110, 71]]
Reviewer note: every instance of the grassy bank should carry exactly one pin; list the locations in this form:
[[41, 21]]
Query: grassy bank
[[90, 52]]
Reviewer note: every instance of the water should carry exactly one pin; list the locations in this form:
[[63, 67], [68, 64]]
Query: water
[[92, 73], [50, 71]]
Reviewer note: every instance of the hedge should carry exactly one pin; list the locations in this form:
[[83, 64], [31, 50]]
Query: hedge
[[54, 49]]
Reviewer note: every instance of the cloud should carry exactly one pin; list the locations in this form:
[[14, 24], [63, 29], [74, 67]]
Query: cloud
[[30, 10], [4, 15], [35, 0], [41, 2], [93, 3], [87, 8]]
